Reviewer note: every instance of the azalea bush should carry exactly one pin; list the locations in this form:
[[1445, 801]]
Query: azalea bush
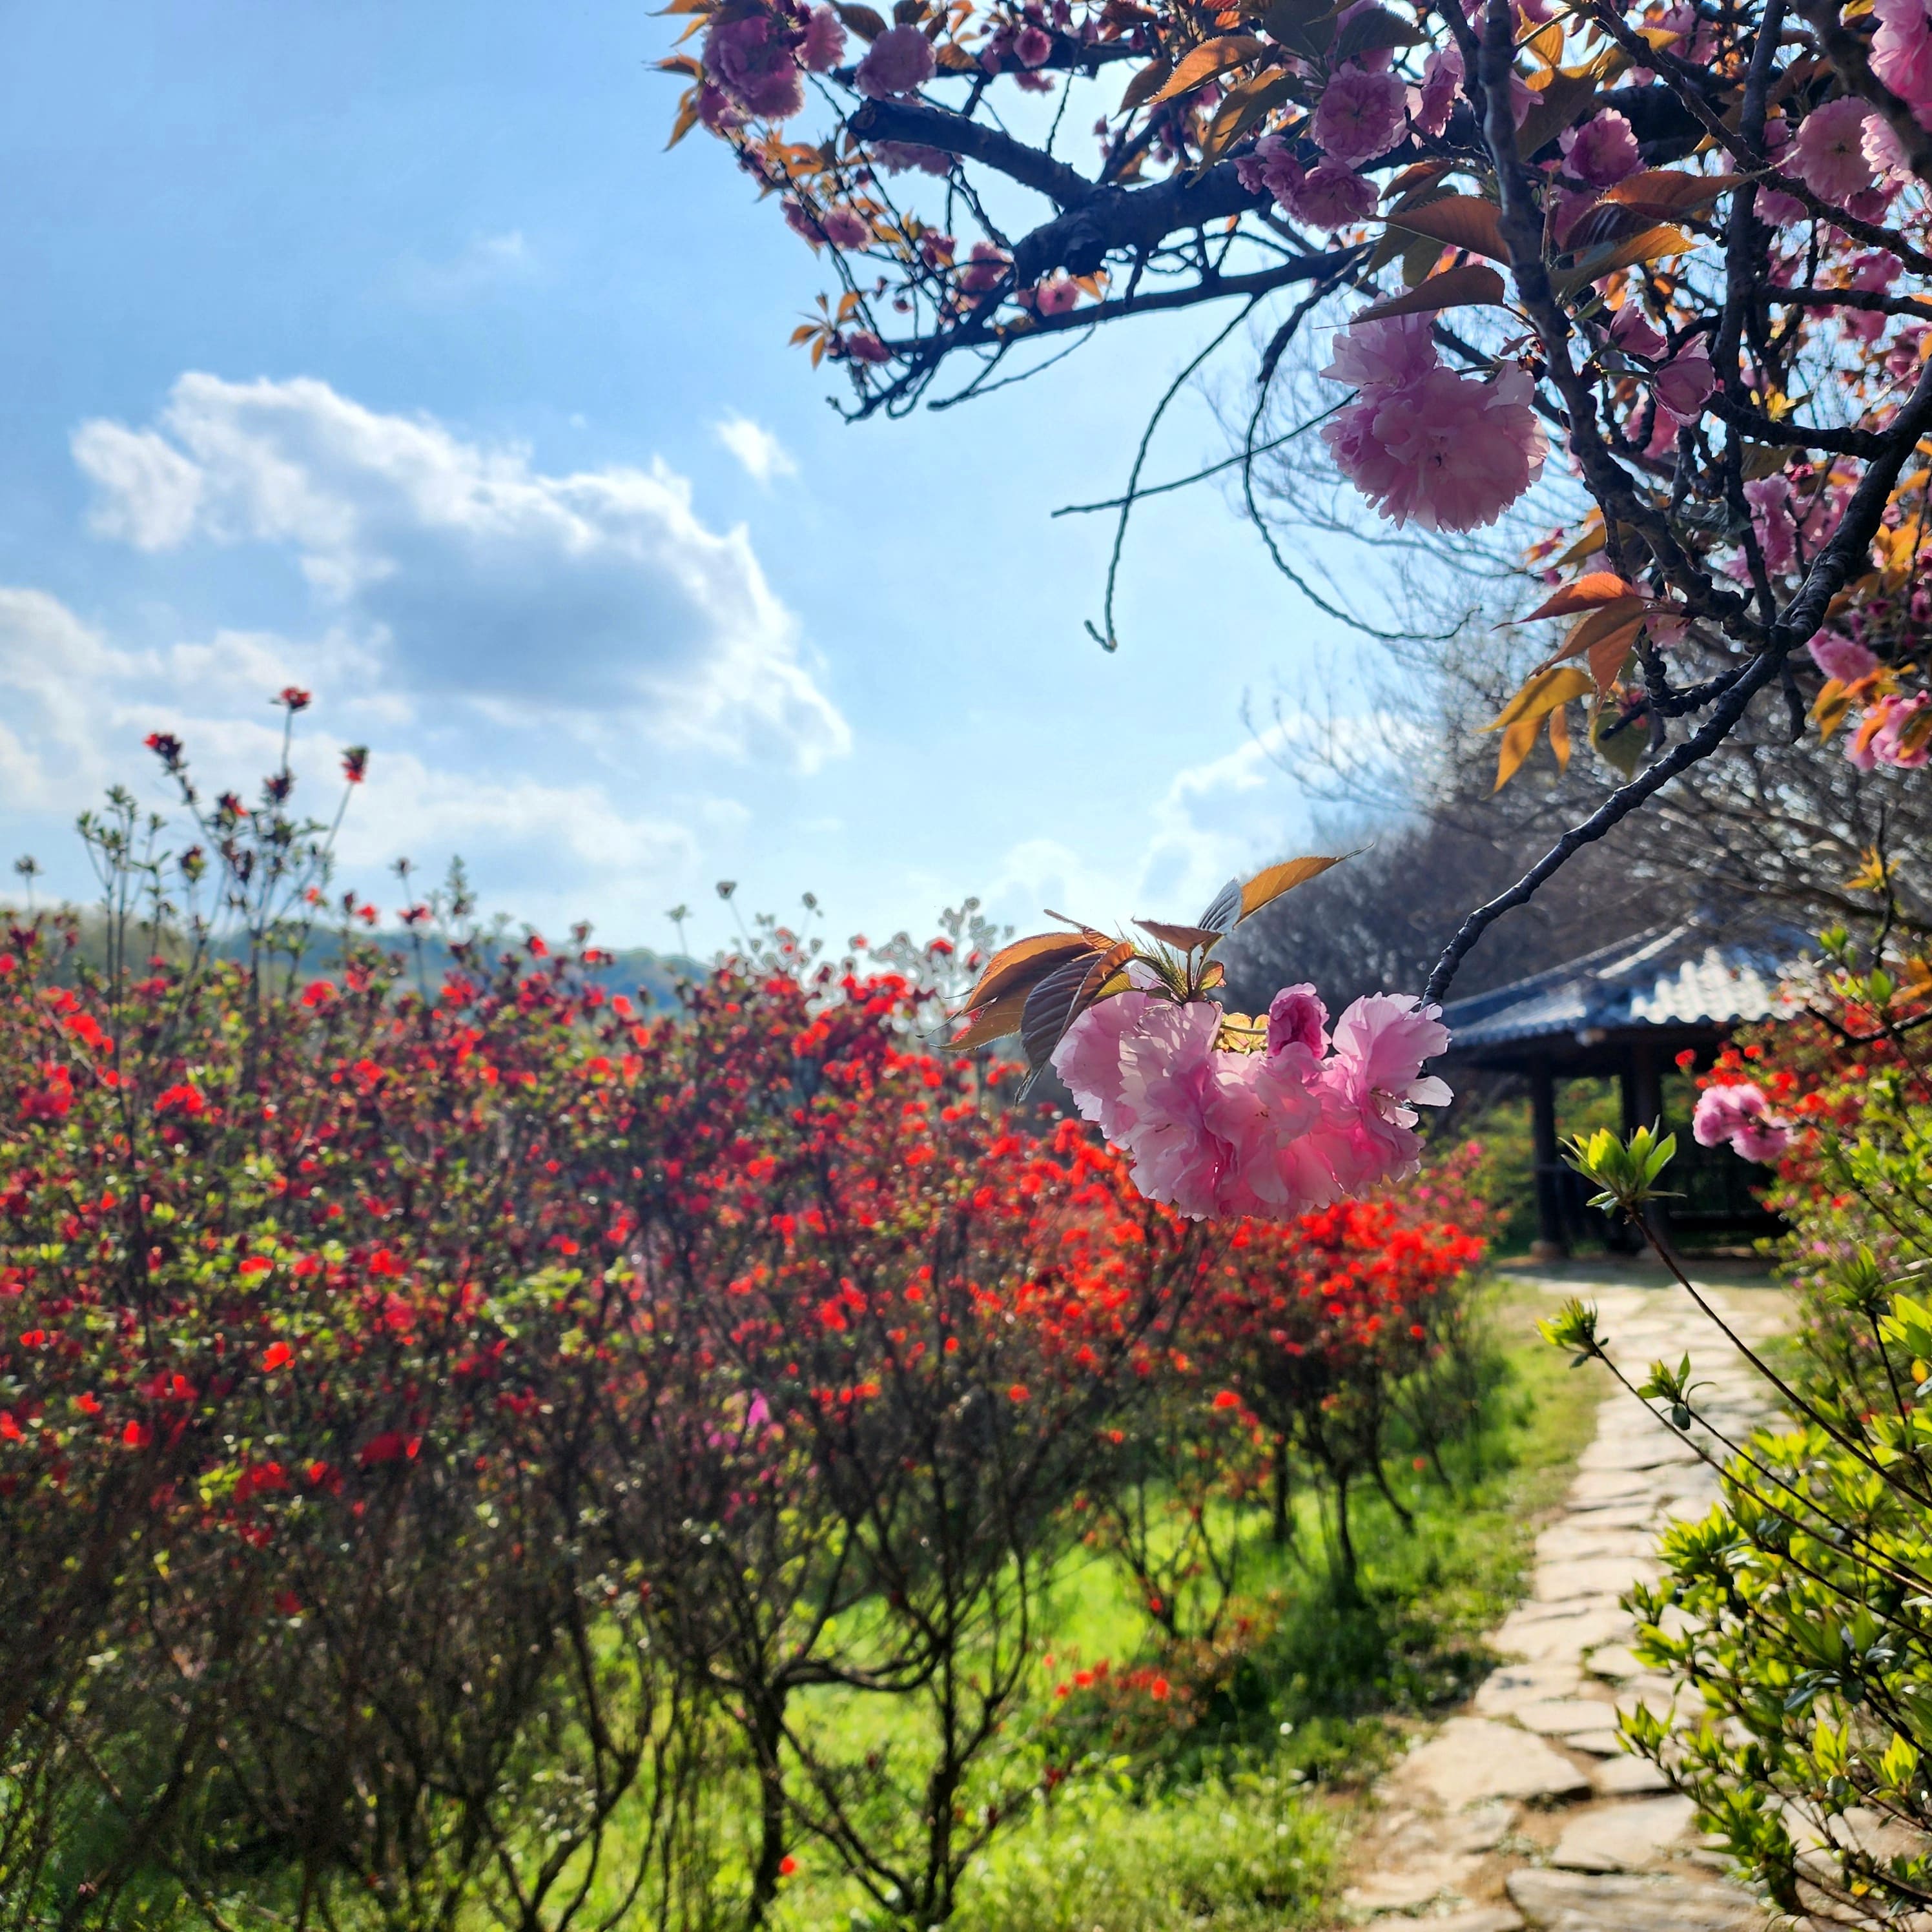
[[472, 1448], [1631, 285], [1794, 1612]]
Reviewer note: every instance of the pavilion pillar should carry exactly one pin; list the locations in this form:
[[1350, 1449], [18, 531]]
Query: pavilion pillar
[[1643, 1107], [1549, 1244]]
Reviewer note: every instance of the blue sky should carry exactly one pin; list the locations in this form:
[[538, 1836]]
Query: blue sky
[[384, 349]]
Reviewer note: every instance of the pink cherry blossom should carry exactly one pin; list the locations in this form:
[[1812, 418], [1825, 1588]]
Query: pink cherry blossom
[[1880, 737], [1056, 295], [1685, 383], [1436, 99], [1332, 197], [1842, 658], [1634, 332], [1298, 1018], [1216, 1132], [824, 41], [1901, 50], [1383, 354], [1885, 150], [899, 61], [1271, 169], [846, 227], [1830, 154], [985, 267], [751, 60], [1604, 151], [1032, 46], [862, 346], [1449, 452], [1359, 115], [1770, 500]]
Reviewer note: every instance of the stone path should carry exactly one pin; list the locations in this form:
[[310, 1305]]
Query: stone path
[[1522, 1810]]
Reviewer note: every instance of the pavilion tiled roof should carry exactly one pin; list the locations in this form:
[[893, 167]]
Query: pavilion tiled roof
[[1692, 974]]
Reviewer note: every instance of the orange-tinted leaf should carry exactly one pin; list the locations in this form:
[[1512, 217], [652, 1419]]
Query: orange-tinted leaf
[[1559, 737], [687, 119], [1371, 31], [1664, 193], [1418, 174], [1213, 57], [1057, 1001], [1650, 246], [1829, 707], [1247, 101], [1609, 653], [1600, 587], [1183, 938], [862, 20], [996, 1021], [1266, 887], [1462, 220], [1155, 74], [1025, 960], [1472, 285], [1542, 689]]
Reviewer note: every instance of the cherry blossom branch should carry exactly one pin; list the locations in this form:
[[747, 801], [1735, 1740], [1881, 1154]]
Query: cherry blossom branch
[[918, 124]]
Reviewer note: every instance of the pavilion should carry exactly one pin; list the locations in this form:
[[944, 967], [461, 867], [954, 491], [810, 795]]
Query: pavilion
[[1628, 1010]]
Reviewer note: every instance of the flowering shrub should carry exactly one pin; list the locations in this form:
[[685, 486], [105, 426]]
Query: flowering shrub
[[1795, 1608], [454, 1437]]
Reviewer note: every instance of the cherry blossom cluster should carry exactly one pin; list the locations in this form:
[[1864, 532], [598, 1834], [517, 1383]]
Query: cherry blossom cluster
[[1309, 1118]]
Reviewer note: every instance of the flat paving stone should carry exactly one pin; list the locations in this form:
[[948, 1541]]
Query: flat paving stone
[[1471, 1759], [1478, 1918], [1405, 1886], [1561, 1901], [1563, 1716], [1625, 1776], [1513, 1685], [1592, 1576], [1632, 1835], [1547, 1640]]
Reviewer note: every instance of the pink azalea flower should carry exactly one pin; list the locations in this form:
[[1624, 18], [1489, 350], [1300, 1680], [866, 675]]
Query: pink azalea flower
[[1685, 383], [751, 60], [1901, 50], [1842, 658], [1436, 99], [846, 228], [1604, 151], [824, 41], [1830, 152], [1332, 197], [1360, 116], [899, 61], [1032, 46], [1450, 452], [1634, 333]]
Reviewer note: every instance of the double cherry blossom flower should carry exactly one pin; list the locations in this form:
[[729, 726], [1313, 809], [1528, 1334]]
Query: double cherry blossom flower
[[1220, 1113]]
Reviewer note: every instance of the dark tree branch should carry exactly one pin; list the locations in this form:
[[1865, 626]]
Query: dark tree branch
[[916, 125]]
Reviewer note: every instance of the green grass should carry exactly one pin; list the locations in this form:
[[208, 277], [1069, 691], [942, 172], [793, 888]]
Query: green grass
[[1233, 1818]]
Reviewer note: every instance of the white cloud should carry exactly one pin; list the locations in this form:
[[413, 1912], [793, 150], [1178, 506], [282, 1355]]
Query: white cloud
[[76, 709], [597, 599], [757, 447]]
